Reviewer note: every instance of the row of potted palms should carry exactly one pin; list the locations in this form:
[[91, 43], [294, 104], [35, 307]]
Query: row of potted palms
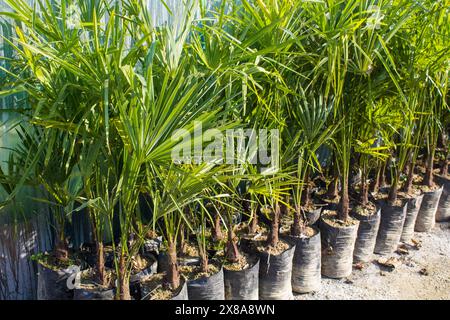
[[356, 90]]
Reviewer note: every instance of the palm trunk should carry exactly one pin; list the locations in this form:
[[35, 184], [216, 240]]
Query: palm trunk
[[376, 181], [232, 252], [100, 255], [298, 226], [344, 203], [333, 192], [306, 196], [254, 223], [382, 177], [182, 243], [124, 282], [393, 191], [274, 230], [204, 263], [61, 246], [101, 273], [364, 188], [407, 188], [443, 141], [173, 274], [217, 230], [428, 181], [444, 165]]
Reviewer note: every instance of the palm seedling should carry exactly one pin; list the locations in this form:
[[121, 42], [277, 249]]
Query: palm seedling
[[423, 86], [166, 96], [54, 169], [330, 20], [310, 116], [176, 192], [349, 62]]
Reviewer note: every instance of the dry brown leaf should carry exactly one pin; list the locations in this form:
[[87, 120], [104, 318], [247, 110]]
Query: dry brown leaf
[[360, 266], [402, 250], [417, 243], [389, 262]]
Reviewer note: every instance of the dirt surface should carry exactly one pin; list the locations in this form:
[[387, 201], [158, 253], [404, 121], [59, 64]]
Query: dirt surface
[[424, 273]]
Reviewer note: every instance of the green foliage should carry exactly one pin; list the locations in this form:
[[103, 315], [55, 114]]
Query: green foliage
[[104, 89]]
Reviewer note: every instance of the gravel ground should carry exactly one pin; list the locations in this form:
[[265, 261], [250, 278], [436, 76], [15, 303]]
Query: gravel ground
[[424, 273]]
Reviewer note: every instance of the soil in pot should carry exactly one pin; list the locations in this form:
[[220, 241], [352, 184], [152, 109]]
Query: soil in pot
[[310, 216], [205, 285], [275, 270], [55, 278], [426, 218], [414, 203], [88, 289], [443, 211], [369, 222], [155, 287], [391, 226], [338, 241], [143, 266], [242, 278], [306, 265]]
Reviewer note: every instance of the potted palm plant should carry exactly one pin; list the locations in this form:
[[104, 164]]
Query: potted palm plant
[[338, 229], [443, 213], [275, 251], [310, 115], [241, 267], [177, 188], [206, 280], [426, 217], [432, 105], [56, 173]]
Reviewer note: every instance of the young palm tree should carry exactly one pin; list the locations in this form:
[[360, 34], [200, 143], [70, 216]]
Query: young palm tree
[[173, 190], [310, 117], [421, 55]]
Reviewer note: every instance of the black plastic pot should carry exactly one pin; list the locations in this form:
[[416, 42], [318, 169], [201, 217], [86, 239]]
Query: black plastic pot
[[207, 288], [426, 218], [243, 284], [367, 236], [180, 294], [443, 211], [275, 274], [151, 269], [136, 279], [313, 216], [411, 216], [306, 265], [391, 227], [93, 294], [337, 249], [52, 284]]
